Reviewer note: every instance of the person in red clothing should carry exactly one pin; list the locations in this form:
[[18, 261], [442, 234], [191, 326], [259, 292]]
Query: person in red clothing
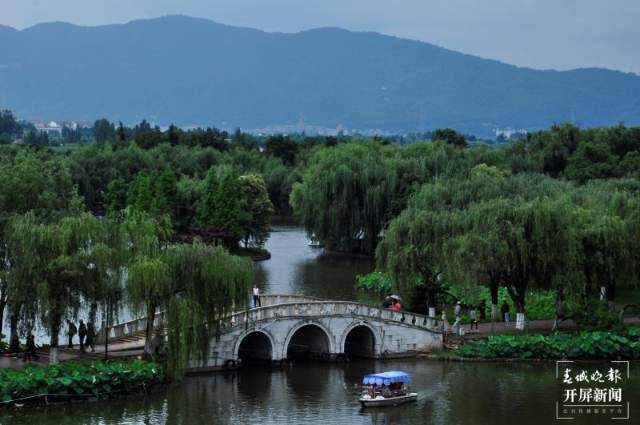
[[396, 306]]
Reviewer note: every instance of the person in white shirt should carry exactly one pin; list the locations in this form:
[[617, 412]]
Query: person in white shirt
[[256, 296]]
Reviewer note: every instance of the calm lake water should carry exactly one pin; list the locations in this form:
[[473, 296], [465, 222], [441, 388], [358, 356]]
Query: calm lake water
[[296, 268], [450, 393]]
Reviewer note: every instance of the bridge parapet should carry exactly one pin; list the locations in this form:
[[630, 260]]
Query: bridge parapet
[[312, 309], [288, 306], [273, 299]]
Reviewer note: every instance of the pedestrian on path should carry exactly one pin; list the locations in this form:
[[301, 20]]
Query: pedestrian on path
[[483, 310], [14, 345], [30, 353], [457, 312], [505, 311], [256, 296], [91, 336], [473, 317], [82, 333], [71, 332]]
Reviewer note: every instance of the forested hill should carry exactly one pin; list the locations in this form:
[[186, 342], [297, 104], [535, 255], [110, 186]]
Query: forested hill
[[194, 71]]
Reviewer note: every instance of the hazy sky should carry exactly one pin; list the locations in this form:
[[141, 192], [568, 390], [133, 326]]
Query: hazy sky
[[558, 34]]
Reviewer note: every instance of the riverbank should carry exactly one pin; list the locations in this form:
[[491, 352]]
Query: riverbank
[[256, 254], [78, 380], [585, 345]]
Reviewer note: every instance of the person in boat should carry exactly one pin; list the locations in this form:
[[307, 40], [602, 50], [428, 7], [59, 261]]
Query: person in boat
[[372, 391], [396, 389], [386, 392]]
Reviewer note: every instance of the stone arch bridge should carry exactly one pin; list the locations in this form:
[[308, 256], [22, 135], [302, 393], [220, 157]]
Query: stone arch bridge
[[292, 327]]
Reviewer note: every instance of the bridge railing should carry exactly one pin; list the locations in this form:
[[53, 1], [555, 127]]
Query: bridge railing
[[268, 300], [129, 328], [275, 306], [330, 308]]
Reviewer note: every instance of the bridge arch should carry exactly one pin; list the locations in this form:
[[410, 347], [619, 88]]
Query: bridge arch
[[307, 338], [254, 345], [360, 339]]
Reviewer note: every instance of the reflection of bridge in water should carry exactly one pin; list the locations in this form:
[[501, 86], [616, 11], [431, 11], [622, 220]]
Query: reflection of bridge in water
[[290, 327]]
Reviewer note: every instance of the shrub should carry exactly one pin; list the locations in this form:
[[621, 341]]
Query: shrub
[[539, 305], [596, 314], [375, 281], [585, 345], [82, 379]]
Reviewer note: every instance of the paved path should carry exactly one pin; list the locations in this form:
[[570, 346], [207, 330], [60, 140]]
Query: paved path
[[533, 325]]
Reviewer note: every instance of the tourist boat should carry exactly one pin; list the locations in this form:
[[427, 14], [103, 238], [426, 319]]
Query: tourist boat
[[314, 242], [386, 389]]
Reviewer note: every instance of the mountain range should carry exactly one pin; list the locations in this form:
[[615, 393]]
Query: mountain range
[[193, 71]]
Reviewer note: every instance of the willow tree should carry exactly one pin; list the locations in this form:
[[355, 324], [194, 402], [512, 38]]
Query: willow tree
[[35, 182], [609, 224], [49, 262], [196, 286], [346, 193], [208, 285], [487, 229], [148, 287], [411, 253]]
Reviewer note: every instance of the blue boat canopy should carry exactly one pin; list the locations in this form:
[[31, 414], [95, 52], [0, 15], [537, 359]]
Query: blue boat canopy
[[386, 378]]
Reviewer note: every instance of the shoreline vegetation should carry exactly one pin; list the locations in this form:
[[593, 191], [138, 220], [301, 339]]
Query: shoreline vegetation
[[78, 380], [584, 345]]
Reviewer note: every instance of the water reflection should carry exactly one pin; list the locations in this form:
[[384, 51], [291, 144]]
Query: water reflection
[[296, 268], [321, 393]]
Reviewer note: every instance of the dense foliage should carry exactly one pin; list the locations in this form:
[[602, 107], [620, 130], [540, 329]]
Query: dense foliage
[[585, 345], [375, 281], [77, 380], [542, 224]]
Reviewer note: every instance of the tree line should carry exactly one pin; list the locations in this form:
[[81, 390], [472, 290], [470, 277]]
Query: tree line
[[117, 221], [556, 210]]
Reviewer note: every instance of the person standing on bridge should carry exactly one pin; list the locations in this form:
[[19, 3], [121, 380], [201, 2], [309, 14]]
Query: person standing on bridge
[[256, 296]]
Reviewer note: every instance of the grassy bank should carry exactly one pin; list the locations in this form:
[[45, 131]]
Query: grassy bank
[[77, 380], [591, 345]]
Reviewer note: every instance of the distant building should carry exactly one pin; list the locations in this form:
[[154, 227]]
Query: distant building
[[509, 133], [51, 128]]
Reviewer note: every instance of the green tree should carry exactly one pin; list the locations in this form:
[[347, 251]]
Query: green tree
[[282, 147], [450, 136], [104, 131], [591, 161], [50, 261], [220, 206], [256, 210], [197, 286], [345, 195], [37, 183]]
